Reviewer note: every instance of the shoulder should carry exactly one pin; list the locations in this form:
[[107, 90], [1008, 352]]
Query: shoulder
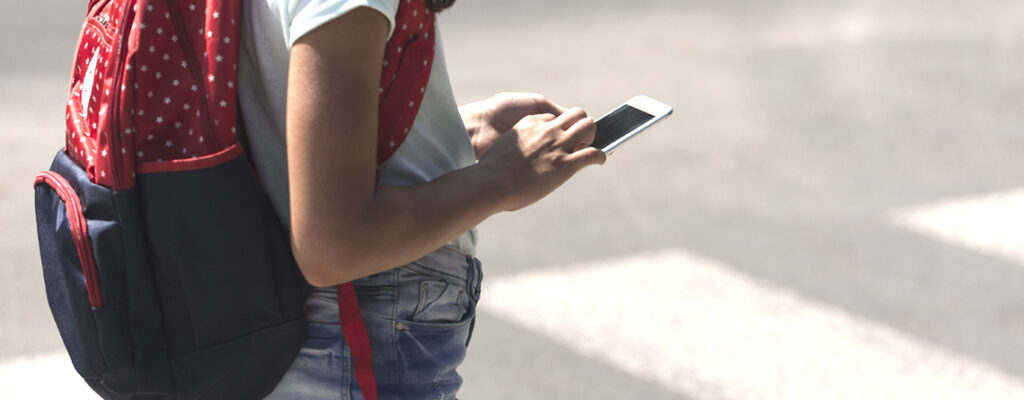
[[303, 16]]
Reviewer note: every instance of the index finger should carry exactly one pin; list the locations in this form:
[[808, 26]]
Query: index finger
[[545, 104]]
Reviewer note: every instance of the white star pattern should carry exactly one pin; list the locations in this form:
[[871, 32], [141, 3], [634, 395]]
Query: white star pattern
[[151, 58]]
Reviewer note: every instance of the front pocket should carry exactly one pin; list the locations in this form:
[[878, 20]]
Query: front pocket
[[220, 254], [429, 296], [429, 354]]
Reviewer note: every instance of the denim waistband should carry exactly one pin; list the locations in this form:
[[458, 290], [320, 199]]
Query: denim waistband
[[455, 265]]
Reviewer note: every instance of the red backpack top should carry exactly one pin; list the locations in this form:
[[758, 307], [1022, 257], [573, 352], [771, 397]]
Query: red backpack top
[[151, 213], [147, 71]]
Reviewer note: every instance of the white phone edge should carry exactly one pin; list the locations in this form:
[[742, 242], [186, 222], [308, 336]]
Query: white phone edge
[[643, 103]]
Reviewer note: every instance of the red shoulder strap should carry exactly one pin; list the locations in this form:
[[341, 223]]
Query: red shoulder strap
[[408, 60]]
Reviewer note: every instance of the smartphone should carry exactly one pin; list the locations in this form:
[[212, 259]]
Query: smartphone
[[626, 121]]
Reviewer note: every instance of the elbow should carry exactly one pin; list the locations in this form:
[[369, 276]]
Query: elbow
[[312, 269], [326, 264], [315, 275]]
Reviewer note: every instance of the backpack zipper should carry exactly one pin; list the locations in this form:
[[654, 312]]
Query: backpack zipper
[[115, 126], [197, 74]]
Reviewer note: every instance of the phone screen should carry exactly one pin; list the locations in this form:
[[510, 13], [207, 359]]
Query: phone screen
[[617, 124]]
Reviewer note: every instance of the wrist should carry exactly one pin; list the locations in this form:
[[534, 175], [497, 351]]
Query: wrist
[[497, 185]]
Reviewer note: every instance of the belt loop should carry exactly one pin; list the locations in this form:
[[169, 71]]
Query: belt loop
[[474, 277]]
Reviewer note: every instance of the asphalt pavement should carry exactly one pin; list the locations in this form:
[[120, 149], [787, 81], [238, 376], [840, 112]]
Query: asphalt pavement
[[833, 211]]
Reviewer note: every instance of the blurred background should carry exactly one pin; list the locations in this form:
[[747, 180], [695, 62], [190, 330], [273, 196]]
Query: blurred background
[[835, 209]]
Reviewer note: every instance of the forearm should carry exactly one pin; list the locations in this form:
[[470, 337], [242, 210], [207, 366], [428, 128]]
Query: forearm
[[343, 225], [400, 224]]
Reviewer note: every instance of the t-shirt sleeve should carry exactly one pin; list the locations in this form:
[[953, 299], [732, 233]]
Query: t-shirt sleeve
[[307, 15]]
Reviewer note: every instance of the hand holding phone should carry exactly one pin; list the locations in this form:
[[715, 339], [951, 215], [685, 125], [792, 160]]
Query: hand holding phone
[[628, 120]]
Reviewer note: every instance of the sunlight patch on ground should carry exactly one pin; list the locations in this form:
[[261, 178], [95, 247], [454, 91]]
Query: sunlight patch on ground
[[700, 329]]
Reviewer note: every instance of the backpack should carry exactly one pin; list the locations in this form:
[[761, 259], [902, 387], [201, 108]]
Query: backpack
[[167, 271]]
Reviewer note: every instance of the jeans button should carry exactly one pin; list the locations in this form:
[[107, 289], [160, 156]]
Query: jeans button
[[400, 325]]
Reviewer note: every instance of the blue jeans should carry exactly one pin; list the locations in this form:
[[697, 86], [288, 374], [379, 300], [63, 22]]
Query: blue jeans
[[419, 318]]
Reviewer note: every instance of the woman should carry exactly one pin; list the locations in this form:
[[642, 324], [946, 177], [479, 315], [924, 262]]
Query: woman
[[310, 82]]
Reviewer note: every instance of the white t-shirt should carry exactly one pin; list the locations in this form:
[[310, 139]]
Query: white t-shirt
[[436, 145]]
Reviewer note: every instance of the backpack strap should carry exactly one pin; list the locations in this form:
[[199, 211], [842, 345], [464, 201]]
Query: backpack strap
[[358, 340], [408, 59]]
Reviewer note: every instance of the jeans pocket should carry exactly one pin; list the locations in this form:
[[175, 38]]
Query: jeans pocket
[[441, 302], [429, 354]]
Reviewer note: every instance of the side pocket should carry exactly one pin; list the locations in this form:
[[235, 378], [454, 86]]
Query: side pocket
[[78, 228], [66, 253], [98, 284], [79, 232]]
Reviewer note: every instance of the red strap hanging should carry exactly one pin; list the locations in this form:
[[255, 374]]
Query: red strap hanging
[[354, 330]]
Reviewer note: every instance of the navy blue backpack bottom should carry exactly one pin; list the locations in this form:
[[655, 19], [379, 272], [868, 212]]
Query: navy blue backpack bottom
[[182, 287]]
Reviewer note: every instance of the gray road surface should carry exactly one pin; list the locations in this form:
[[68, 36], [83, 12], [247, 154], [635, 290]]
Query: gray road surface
[[800, 126]]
